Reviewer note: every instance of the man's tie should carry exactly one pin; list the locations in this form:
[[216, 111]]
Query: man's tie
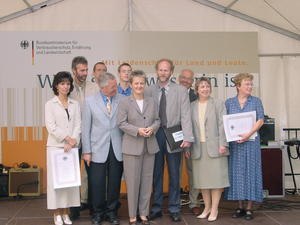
[[80, 95], [108, 106], [162, 108]]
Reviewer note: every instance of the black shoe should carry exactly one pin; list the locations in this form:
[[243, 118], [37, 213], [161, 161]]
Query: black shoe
[[175, 217], [113, 219], [138, 218], [249, 216], [83, 207], [154, 215], [74, 216], [239, 213], [97, 219]]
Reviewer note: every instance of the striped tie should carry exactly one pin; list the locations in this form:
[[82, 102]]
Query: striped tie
[[162, 108]]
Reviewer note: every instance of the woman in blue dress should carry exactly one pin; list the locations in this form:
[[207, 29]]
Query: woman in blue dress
[[245, 175]]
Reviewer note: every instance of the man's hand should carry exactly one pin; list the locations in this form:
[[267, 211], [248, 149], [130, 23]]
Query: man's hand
[[187, 154], [87, 158], [185, 144]]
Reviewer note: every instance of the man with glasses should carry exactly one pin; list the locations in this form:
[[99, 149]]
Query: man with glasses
[[124, 71], [186, 79]]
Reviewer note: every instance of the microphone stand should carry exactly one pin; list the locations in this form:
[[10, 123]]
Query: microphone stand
[[21, 196]]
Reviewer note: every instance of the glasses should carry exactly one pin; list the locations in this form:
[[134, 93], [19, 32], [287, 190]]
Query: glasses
[[186, 78], [248, 84], [124, 71]]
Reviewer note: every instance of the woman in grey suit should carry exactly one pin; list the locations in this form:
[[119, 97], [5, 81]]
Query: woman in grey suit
[[138, 118], [210, 149]]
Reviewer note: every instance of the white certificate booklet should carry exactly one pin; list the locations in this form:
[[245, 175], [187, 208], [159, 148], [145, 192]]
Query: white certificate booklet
[[65, 168], [240, 123]]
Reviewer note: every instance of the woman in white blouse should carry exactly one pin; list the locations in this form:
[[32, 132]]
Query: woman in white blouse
[[63, 123]]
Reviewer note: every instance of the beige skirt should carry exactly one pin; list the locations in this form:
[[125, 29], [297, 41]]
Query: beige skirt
[[209, 172], [63, 197]]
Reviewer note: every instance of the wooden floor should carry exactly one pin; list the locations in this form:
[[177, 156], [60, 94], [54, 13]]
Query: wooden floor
[[32, 210]]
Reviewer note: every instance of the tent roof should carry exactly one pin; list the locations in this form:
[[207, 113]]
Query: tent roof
[[277, 15], [11, 9]]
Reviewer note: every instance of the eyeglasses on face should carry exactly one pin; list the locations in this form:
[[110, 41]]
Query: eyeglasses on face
[[248, 84], [186, 78], [124, 71]]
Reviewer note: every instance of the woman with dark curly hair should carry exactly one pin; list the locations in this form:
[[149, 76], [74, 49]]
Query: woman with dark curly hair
[[63, 123]]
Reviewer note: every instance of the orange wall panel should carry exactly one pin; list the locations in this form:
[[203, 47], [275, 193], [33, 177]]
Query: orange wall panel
[[34, 152]]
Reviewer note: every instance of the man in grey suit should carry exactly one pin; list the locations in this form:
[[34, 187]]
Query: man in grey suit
[[186, 79], [174, 109], [102, 143]]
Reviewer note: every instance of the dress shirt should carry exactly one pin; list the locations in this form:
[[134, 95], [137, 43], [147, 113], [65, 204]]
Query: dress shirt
[[105, 99], [80, 89], [126, 92], [167, 88]]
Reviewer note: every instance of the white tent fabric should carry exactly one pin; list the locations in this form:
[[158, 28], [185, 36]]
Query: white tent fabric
[[279, 76]]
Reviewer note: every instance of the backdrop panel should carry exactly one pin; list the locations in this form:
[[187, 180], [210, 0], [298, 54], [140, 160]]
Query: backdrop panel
[[29, 60]]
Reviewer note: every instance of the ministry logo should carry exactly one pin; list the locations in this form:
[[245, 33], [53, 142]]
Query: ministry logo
[[24, 44]]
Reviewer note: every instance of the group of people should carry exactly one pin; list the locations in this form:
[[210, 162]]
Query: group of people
[[120, 127]]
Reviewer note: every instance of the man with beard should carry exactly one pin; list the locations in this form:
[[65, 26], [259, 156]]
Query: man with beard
[[82, 89], [174, 109]]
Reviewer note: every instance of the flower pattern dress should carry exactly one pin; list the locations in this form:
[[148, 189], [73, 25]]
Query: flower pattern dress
[[245, 173]]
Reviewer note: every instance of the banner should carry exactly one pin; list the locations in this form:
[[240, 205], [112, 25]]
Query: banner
[[29, 60]]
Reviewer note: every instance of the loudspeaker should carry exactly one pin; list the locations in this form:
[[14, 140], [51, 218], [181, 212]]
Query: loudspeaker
[[272, 171], [3, 184], [267, 133], [28, 180]]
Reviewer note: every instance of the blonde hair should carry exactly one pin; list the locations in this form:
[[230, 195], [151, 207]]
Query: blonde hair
[[240, 77]]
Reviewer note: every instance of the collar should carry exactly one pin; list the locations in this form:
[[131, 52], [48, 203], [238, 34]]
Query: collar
[[56, 100], [167, 86], [83, 85], [126, 92], [248, 99], [105, 97]]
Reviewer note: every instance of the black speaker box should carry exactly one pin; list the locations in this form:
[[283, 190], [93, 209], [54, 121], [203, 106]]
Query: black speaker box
[[267, 133], [3, 184]]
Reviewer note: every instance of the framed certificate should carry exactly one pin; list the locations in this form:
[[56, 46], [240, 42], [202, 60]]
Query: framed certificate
[[65, 168], [239, 123]]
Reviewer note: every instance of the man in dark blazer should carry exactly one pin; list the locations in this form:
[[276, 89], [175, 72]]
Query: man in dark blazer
[[102, 140], [176, 110], [186, 79]]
